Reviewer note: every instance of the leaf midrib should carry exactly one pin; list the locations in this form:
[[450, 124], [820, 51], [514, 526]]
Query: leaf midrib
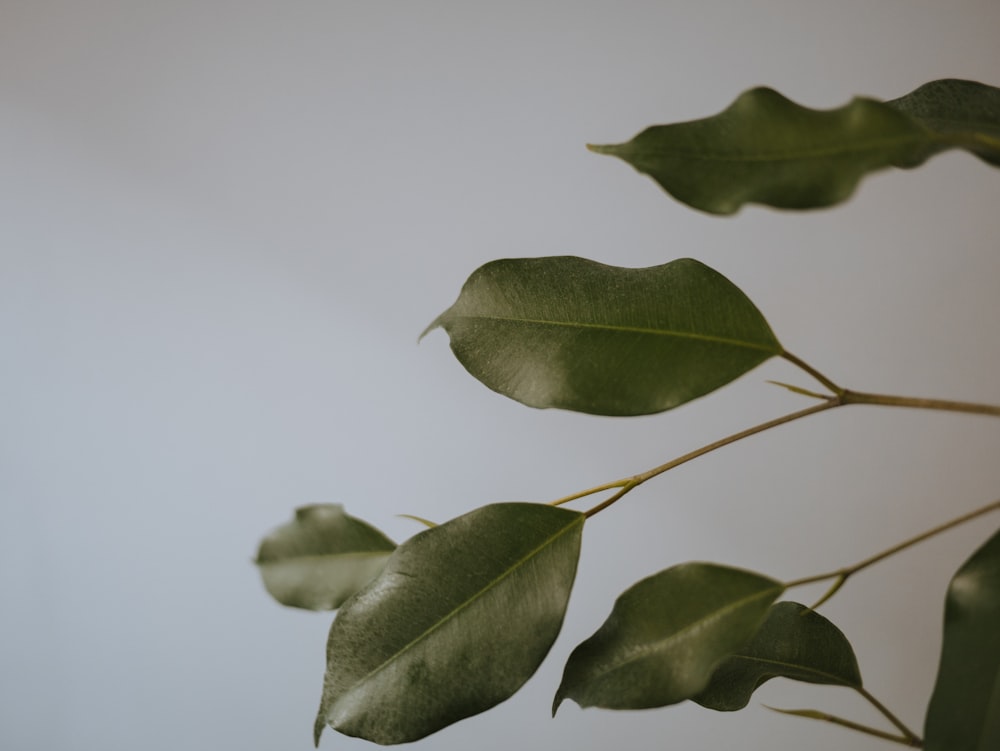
[[656, 646], [461, 607], [630, 330], [813, 153], [323, 556], [790, 665]]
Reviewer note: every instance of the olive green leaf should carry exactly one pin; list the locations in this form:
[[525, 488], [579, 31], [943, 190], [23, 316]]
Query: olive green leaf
[[460, 617], [794, 642], [576, 334], [321, 557], [964, 711], [665, 637], [766, 149], [965, 113]]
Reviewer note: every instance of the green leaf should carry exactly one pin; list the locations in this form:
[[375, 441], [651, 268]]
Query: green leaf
[[964, 711], [665, 637], [767, 149], [966, 113], [461, 616], [321, 557], [794, 642], [576, 334]]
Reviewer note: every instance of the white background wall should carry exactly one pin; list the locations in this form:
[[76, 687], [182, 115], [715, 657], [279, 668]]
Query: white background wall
[[223, 225]]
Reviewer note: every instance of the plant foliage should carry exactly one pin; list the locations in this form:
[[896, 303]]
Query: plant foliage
[[321, 557], [460, 617], [793, 642], [455, 620], [964, 712], [766, 149], [571, 333]]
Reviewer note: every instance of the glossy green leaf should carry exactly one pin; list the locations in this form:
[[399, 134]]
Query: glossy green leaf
[[964, 711], [576, 334], [965, 113], [461, 616], [665, 637], [321, 557], [767, 149], [794, 642]]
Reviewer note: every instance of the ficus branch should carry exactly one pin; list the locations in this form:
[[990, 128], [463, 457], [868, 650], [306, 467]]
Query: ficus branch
[[910, 738], [628, 484], [839, 398], [840, 576], [907, 739]]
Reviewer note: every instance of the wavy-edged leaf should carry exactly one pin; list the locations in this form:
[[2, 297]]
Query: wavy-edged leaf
[[321, 557], [964, 711], [766, 149], [965, 113], [461, 616], [793, 642], [665, 637], [575, 334]]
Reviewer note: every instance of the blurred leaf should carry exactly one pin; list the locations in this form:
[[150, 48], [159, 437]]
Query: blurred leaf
[[665, 637], [964, 711], [461, 616], [966, 112], [321, 558], [767, 149], [794, 642], [576, 334]]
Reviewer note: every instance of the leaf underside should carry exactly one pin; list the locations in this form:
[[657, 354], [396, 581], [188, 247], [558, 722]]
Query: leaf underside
[[794, 642], [460, 617], [575, 334], [665, 637], [766, 149], [321, 557], [964, 710]]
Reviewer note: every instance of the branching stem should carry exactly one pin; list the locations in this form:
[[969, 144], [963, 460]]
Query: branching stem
[[802, 364], [912, 738], [635, 481], [841, 575], [813, 714], [839, 398]]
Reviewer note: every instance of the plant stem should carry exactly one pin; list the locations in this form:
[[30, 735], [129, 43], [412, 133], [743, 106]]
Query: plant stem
[[840, 397], [628, 484], [591, 491], [812, 714], [885, 400], [841, 575], [802, 364], [912, 737]]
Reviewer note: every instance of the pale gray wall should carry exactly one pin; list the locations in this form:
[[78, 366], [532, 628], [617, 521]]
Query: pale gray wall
[[223, 225]]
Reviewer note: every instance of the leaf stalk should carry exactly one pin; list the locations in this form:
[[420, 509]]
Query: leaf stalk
[[814, 714]]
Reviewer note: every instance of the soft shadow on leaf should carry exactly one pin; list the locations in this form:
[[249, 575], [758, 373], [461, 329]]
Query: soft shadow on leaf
[[665, 637], [794, 642], [321, 557], [964, 711], [766, 149], [461, 616], [580, 335]]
